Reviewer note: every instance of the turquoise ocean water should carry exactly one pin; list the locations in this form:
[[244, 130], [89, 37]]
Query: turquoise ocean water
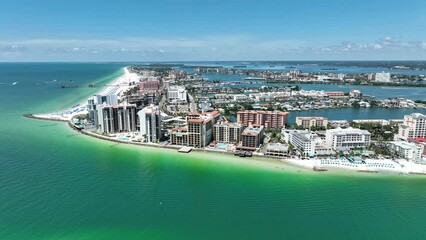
[[58, 185]]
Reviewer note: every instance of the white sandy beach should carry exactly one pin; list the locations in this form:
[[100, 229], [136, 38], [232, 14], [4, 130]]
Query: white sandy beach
[[117, 86]]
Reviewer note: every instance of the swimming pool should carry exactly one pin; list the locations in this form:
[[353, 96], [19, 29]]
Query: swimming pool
[[222, 145]]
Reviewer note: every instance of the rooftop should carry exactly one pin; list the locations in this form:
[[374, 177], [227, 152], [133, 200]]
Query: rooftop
[[252, 131], [344, 131]]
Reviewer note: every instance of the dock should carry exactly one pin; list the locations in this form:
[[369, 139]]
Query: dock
[[185, 150]]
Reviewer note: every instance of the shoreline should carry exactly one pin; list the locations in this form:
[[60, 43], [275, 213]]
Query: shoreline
[[276, 163], [118, 84]]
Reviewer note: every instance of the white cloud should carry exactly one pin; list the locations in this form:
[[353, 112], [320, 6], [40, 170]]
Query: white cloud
[[201, 48]]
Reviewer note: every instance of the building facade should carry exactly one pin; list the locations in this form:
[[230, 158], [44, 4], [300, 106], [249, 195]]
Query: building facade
[[347, 138], [383, 77], [198, 132], [251, 137], [95, 100], [149, 85], [309, 122], [225, 132], [269, 119], [414, 126], [408, 150], [119, 118], [150, 123], [304, 141], [177, 94]]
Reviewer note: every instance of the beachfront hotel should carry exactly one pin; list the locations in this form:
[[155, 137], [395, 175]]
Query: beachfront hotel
[[309, 122], [307, 142], [408, 150], [347, 138], [304, 141], [150, 123], [226, 132], [414, 126], [269, 119]]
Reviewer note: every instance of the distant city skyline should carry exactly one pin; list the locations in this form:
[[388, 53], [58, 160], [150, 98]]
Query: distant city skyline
[[190, 30]]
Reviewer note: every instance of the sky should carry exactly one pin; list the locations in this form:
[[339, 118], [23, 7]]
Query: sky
[[199, 30]]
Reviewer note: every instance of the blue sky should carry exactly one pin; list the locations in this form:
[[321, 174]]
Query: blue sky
[[171, 30]]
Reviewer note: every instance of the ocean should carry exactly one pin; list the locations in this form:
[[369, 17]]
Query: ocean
[[56, 184]]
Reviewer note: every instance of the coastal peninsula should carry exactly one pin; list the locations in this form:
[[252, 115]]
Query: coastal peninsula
[[165, 107]]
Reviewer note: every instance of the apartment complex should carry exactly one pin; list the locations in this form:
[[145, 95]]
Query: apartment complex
[[414, 126], [226, 132], [118, 118], [95, 100], [150, 123], [309, 122], [269, 119], [251, 137], [348, 138]]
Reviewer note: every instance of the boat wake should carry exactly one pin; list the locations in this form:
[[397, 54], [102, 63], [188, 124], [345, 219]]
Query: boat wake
[[51, 81], [14, 83], [397, 88]]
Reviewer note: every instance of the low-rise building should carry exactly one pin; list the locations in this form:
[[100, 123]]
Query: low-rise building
[[324, 150], [421, 142], [309, 122], [276, 149], [348, 138], [408, 150], [381, 122], [240, 97]]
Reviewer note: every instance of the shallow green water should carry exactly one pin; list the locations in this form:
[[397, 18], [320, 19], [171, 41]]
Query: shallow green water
[[58, 185]]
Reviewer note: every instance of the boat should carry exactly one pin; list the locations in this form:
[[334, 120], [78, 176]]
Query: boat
[[319, 169], [242, 154], [254, 78], [368, 171]]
